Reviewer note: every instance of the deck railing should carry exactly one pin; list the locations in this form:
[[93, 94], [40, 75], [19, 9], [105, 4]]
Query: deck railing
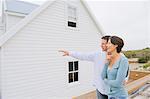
[[137, 79]]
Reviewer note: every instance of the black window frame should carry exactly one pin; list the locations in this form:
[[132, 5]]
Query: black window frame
[[73, 75]]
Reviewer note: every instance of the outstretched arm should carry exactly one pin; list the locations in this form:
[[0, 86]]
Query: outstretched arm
[[78, 55]]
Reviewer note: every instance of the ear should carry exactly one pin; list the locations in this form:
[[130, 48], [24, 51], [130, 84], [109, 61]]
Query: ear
[[116, 46]]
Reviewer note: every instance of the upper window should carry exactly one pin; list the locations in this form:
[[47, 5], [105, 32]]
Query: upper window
[[73, 71], [72, 16]]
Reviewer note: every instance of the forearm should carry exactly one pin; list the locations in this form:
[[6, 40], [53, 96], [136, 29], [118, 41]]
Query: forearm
[[82, 56], [121, 75], [104, 72], [114, 83]]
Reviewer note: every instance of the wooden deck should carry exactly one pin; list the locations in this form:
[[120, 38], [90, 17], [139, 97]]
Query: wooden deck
[[136, 80]]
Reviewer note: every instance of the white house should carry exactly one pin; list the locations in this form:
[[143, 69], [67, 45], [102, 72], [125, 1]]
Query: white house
[[13, 12], [31, 66]]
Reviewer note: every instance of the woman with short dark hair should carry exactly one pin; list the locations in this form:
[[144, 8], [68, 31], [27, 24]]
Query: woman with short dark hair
[[115, 69]]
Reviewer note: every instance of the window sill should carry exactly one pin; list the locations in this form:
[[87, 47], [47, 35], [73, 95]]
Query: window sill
[[73, 84]]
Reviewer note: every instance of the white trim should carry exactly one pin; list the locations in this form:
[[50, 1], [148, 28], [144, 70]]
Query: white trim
[[99, 27], [16, 14], [0, 73], [11, 32], [69, 3], [73, 71], [76, 83]]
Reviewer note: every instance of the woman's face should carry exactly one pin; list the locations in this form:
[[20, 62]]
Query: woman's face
[[111, 47]]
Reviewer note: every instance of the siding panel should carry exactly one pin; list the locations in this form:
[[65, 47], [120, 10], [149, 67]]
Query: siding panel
[[31, 65]]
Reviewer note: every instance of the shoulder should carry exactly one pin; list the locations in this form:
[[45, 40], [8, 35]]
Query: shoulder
[[123, 57], [124, 60]]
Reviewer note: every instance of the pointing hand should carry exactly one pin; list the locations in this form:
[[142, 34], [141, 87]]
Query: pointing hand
[[65, 53]]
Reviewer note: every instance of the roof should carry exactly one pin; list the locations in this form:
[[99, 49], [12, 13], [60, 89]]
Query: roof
[[20, 6], [9, 34]]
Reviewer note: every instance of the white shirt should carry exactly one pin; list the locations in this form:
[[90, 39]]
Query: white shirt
[[98, 58]]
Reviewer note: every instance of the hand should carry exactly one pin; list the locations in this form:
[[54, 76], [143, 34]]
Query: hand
[[65, 53], [109, 56]]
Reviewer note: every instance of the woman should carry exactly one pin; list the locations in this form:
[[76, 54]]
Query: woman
[[115, 69]]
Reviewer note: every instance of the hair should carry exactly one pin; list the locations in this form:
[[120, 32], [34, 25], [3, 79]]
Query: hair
[[106, 37], [117, 41]]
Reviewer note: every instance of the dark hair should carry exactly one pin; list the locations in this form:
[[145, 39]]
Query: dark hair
[[106, 37], [117, 41]]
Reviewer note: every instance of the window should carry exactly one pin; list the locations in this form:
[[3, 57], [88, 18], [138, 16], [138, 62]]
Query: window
[[72, 16], [73, 71]]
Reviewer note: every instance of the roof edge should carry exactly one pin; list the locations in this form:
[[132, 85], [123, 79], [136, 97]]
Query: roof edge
[[6, 36], [99, 27], [15, 13]]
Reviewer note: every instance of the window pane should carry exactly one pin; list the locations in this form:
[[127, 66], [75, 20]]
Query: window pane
[[70, 66], [72, 12], [76, 65], [71, 24], [70, 77], [76, 76], [72, 17]]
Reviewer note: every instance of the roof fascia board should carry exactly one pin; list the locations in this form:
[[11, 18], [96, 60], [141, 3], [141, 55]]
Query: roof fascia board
[[12, 31], [99, 27]]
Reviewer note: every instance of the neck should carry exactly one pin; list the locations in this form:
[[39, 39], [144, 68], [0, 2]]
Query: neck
[[115, 54]]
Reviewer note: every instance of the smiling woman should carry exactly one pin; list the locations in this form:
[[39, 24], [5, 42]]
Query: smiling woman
[[115, 70]]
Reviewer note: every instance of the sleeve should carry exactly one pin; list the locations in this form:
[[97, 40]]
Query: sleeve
[[121, 74], [104, 72], [128, 74], [83, 56]]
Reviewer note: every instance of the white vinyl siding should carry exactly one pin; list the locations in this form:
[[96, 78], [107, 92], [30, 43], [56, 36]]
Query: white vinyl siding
[[0, 72], [12, 20], [33, 68]]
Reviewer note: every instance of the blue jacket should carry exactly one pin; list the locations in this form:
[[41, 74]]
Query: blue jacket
[[115, 77]]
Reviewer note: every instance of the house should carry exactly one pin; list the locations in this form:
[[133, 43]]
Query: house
[[30, 64], [14, 12]]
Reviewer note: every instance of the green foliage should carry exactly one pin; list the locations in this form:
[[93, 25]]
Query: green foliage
[[146, 65], [130, 54], [143, 60], [144, 54]]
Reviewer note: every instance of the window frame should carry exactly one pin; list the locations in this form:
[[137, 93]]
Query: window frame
[[74, 71], [72, 5]]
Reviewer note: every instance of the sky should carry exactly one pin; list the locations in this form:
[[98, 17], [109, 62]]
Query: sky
[[42, 1], [128, 19]]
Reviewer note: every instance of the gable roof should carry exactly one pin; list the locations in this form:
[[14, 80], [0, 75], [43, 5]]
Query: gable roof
[[20, 6], [9, 34]]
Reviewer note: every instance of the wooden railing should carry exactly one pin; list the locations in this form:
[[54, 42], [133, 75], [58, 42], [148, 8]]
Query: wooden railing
[[136, 80], [139, 79]]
